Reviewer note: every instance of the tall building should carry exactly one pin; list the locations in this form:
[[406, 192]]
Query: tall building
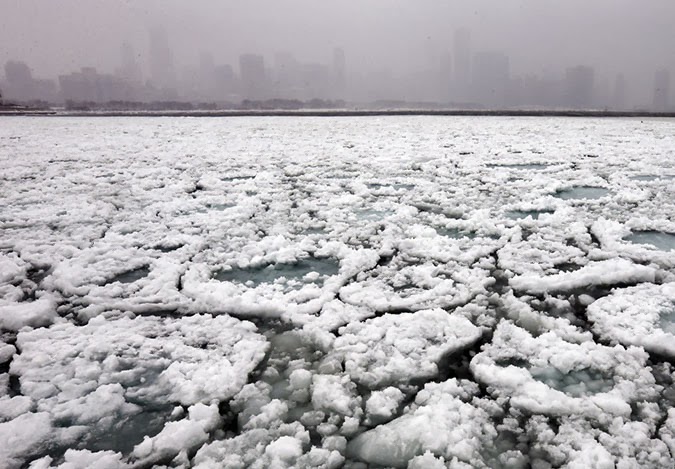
[[462, 63], [661, 90], [225, 82], [619, 93], [287, 76], [339, 73], [22, 86], [490, 78], [579, 85], [316, 81], [88, 85], [162, 72], [445, 78], [253, 77], [129, 69]]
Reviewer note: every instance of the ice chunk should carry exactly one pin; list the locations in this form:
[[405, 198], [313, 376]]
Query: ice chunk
[[12, 268], [284, 451], [643, 315], [544, 374], [41, 312], [183, 435], [102, 376], [23, 436], [335, 394], [601, 273], [382, 405], [84, 459], [396, 349], [199, 358], [440, 421]]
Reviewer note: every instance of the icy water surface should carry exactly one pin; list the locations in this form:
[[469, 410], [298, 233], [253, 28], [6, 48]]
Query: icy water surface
[[582, 192], [662, 241], [306, 270], [336, 293], [575, 383]]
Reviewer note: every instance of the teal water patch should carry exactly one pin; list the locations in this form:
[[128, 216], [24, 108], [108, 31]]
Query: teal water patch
[[454, 233], [660, 240], [371, 214], [313, 230], [130, 276], [577, 383], [126, 431], [667, 319], [131, 430], [582, 192], [283, 272], [522, 214]]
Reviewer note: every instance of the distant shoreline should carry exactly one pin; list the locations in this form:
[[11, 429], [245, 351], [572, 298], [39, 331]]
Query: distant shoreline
[[340, 113]]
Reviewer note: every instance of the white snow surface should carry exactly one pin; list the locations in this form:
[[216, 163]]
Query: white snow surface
[[266, 292]]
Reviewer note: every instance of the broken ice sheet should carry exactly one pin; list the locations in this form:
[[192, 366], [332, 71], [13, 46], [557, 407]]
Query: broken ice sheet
[[159, 196], [124, 374], [544, 374]]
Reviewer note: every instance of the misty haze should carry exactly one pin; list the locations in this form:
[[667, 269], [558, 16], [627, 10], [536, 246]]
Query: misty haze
[[304, 234], [615, 55]]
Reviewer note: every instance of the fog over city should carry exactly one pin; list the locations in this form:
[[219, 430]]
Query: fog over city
[[615, 54]]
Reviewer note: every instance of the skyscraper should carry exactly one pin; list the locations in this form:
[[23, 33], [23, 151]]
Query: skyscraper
[[490, 78], [462, 62], [445, 78], [339, 73], [579, 85], [619, 93], [129, 69], [661, 90], [253, 76], [162, 71]]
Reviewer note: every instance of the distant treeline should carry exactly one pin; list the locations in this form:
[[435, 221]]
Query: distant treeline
[[269, 104]]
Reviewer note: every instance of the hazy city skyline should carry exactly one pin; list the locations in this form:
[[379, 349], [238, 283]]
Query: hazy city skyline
[[390, 49]]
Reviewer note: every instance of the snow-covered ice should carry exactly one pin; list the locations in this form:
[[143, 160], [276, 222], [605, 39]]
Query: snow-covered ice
[[266, 292]]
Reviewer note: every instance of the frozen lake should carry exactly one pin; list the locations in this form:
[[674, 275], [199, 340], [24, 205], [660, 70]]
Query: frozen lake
[[270, 292]]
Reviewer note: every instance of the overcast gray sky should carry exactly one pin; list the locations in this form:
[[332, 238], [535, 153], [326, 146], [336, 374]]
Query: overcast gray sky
[[539, 36]]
